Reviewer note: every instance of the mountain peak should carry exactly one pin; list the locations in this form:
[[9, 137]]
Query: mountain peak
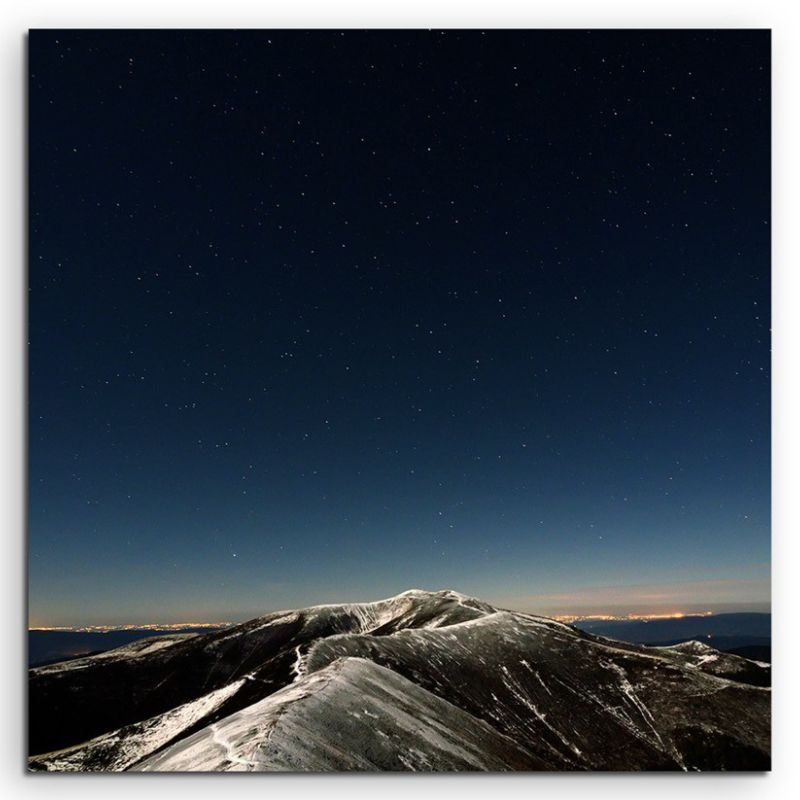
[[429, 680]]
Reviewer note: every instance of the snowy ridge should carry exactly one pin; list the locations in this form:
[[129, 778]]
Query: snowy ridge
[[422, 681], [141, 647], [301, 728], [121, 749], [722, 665]]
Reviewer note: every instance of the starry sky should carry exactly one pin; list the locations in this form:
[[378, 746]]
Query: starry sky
[[325, 315]]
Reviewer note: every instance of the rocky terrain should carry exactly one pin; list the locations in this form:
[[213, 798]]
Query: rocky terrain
[[425, 681]]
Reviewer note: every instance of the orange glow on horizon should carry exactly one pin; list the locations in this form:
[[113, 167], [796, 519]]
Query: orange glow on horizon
[[631, 617]]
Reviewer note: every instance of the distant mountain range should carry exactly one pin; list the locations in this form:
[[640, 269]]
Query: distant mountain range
[[424, 681], [747, 634], [49, 646]]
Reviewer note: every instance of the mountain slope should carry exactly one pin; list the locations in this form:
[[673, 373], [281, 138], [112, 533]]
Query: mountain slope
[[575, 700], [351, 715], [74, 701], [450, 683]]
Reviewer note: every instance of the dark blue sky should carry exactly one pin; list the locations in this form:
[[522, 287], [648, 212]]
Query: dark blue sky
[[323, 316]]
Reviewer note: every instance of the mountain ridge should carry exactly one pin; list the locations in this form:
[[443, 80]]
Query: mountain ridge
[[553, 697]]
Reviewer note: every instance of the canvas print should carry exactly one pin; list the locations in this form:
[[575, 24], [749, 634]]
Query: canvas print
[[399, 400]]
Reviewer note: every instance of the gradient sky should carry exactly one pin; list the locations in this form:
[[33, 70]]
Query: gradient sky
[[322, 316]]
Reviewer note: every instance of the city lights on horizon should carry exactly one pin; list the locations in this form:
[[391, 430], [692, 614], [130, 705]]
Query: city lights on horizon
[[150, 626], [175, 626], [630, 617]]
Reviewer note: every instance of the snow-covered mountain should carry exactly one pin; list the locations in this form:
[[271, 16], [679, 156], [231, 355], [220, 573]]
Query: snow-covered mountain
[[421, 681]]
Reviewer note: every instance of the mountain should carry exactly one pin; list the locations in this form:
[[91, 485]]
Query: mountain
[[51, 646], [719, 630], [431, 681], [745, 634]]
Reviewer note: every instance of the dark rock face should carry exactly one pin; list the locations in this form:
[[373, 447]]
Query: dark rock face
[[424, 681]]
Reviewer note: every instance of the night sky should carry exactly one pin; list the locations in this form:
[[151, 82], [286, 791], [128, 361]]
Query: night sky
[[323, 316]]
